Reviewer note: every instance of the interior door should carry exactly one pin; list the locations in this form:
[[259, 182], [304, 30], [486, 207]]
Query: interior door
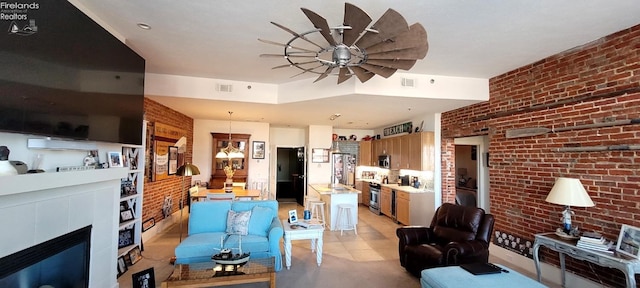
[[291, 179], [299, 178]]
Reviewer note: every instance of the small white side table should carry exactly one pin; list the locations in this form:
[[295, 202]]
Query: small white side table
[[313, 233]]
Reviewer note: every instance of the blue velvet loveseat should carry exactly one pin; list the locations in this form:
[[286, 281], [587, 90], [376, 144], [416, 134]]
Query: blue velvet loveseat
[[208, 223]]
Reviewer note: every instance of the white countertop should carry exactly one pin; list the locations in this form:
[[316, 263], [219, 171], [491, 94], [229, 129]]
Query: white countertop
[[408, 189], [324, 189]]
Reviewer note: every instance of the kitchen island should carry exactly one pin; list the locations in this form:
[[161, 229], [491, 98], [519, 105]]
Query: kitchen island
[[333, 196]]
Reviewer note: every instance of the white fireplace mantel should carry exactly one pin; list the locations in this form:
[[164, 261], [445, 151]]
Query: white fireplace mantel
[[50, 180]]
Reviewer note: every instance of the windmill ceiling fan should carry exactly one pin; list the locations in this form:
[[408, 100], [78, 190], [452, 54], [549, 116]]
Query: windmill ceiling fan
[[353, 47]]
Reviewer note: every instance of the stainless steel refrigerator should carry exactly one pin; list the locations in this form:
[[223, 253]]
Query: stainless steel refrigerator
[[343, 169]]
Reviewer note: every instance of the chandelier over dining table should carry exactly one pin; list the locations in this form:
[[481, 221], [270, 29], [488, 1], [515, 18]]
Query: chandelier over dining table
[[229, 153]]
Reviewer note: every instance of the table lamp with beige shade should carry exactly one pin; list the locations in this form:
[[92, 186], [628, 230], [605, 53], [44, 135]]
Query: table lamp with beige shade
[[569, 192]]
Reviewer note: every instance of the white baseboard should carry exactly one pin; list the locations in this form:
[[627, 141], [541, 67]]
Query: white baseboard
[[550, 273], [163, 225]]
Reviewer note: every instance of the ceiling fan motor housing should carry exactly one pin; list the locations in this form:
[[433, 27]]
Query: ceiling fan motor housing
[[341, 55]]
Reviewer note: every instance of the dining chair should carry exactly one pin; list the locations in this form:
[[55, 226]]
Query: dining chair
[[240, 184], [221, 196]]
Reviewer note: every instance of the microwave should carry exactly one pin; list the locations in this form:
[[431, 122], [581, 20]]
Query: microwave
[[384, 161]]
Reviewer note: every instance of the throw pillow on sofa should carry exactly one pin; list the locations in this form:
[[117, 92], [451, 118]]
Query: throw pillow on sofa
[[260, 220], [238, 222]]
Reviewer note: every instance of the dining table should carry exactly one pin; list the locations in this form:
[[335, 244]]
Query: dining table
[[240, 193]]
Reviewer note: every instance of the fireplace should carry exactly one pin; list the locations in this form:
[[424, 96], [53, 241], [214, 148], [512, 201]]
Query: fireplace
[[43, 206], [59, 262]]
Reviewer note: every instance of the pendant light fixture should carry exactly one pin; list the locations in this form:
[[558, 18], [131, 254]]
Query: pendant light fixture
[[230, 152]]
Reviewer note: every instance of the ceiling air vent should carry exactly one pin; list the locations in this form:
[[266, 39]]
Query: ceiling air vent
[[406, 82], [224, 87]]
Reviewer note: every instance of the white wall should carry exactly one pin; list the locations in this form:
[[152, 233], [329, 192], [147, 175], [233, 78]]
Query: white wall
[[203, 145], [319, 137]]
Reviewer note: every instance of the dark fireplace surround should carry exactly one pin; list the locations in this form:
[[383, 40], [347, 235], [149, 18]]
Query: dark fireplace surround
[[59, 262]]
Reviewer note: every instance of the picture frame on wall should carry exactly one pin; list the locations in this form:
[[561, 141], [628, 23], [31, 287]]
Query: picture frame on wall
[[134, 255], [115, 159], [126, 215], [319, 155], [144, 279], [125, 237], [629, 241], [258, 150], [173, 160], [122, 266]]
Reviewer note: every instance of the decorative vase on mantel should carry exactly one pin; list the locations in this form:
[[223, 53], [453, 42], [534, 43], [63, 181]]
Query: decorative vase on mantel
[[228, 183]]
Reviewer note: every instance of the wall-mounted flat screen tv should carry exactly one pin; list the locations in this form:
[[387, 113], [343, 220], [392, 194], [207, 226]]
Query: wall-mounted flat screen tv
[[64, 76]]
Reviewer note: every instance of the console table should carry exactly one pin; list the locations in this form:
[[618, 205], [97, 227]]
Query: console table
[[628, 265]]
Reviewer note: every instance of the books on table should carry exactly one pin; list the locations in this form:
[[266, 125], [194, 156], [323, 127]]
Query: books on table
[[595, 241]]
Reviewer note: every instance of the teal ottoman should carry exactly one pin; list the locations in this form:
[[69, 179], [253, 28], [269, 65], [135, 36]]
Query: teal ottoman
[[456, 277]]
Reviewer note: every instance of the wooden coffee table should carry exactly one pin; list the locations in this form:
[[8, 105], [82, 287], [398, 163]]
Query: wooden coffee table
[[202, 274]]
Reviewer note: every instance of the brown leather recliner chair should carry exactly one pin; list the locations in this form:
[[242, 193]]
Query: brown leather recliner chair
[[458, 235]]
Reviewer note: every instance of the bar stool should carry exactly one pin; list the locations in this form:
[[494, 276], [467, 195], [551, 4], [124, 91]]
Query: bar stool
[[307, 201], [317, 211], [344, 211]]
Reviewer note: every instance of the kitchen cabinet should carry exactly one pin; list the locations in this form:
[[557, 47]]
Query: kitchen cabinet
[[428, 152], [415, 208], [405, 155], [359, 185], [366, 194], [365, 154], [241, 165], [385, 201], [395, 148], [402, 207], [418, 152]]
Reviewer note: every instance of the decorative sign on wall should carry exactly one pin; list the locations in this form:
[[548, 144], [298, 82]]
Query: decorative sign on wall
[[166, 136], [397, 129]]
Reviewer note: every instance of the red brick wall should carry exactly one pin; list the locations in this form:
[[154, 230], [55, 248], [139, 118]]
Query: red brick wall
[[154, 192], [597, 82]]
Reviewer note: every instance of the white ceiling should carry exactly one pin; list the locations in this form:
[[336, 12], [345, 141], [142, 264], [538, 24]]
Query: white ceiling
[[478, 39]]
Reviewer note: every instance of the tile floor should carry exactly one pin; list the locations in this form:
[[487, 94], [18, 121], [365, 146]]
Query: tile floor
[[376, 240]]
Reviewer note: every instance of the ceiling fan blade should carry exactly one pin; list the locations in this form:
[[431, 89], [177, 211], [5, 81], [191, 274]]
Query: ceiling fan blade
[[285, 45], [405, 54], [307, 70], [382, 71], [324, 75], [357, 19], [392, 63], [290, 56], [293, 64], [363, 75], [415, 37], [296, 34], [390, 25], [320, 23], [344, 75]]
